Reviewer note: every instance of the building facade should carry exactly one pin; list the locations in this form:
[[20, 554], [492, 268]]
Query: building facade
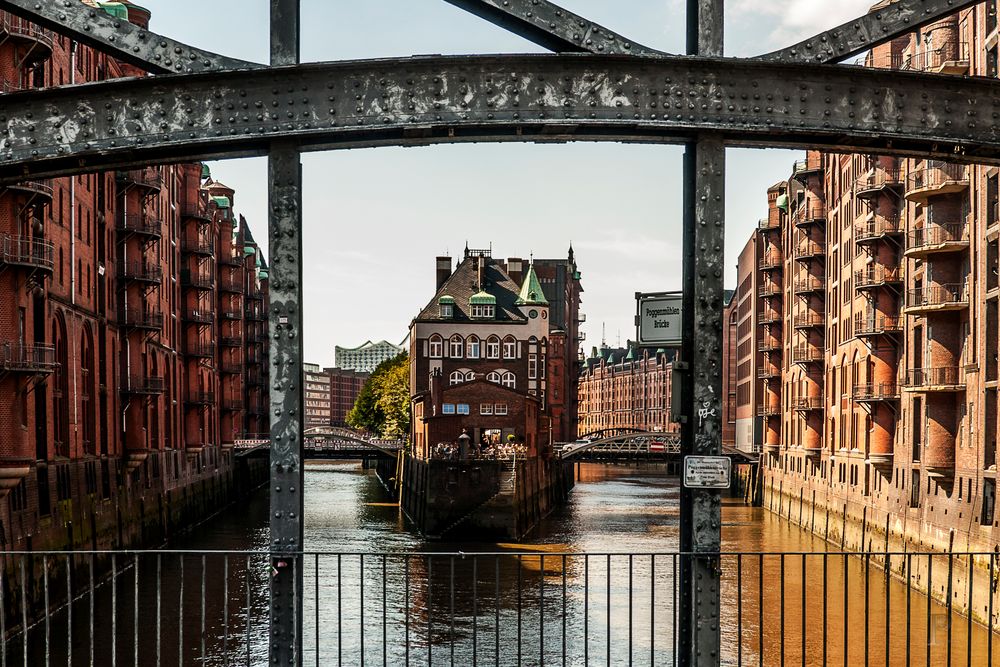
[[486, 359], [877, 329], [330, 394], [366, 357], [131, 324], [317, 396], [626, 388]]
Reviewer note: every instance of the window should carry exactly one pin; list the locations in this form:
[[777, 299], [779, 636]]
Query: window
[[486, 409], [493, 347], [436, 345], [532, 366], [989, 501], [500, 409], [456, 377], [470, 376], [509, 348], [472, 347], [448, 409], [462, 408], [509, 380], [915, 489], [447, 310], [455, 347], [494, 377], [483, 312]]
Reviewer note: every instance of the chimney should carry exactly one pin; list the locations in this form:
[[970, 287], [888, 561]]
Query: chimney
[[515, 269], [443, 270]]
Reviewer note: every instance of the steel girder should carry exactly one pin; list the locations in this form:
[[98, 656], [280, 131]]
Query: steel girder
[[415, 101]]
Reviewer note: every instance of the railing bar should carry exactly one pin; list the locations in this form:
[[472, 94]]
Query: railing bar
[[909, 622], [475, 611], [361, 605], [888, 595], [3, 617], [496, 628], [630, 610], [135, 612], [316, 611], [114, 611], [45, 592], [298, 595], [564, 610], [541, 610], [781, 593], [846, 606], [989, 622], [760, 610], [225, 609], [385, 614], [91, 647], [159, 611], [451, 609], [248, 620], [825, 603], [739, 612], [608, 615], [180, 614]]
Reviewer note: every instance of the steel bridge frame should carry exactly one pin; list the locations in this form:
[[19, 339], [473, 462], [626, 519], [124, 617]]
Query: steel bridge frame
[[601, 87]]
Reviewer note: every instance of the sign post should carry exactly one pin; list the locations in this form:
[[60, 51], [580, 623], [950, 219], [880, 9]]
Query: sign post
[[659, 319]]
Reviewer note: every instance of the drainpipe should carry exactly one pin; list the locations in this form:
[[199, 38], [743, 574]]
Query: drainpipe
[[72, 262]]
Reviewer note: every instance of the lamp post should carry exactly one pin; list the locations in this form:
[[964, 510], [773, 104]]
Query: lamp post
[[463, 445]]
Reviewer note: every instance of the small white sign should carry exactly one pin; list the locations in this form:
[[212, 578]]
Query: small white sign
[[707, 472], [660, 319]]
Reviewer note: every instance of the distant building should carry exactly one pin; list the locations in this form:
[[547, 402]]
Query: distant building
[[330, 394], [317, 388], [366, 357]]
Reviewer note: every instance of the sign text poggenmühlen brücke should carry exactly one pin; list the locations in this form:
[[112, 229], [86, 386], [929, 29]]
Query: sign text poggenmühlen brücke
[[659, 319]]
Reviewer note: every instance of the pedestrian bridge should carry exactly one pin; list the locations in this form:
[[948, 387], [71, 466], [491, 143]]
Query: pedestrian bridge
[[329, 443]]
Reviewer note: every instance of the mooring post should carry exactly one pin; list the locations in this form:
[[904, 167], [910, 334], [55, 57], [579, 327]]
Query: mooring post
[[285, 328], [704, 264]]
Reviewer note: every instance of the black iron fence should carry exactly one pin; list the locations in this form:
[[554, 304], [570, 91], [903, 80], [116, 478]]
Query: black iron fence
[[509, 608]]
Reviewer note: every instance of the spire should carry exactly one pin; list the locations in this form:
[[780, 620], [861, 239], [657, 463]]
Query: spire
[[531, 290], [571, 256]]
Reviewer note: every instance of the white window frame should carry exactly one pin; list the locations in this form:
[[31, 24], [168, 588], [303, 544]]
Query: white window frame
[[438, 343], [493, 347], [447, 310], [470, 376], [533, 366], [483, 312], [510, 348], [462, 409], [472, 347], [494, 377], [486, 408], [456, 342], [447, 408], [509, 380], [456, 377], [500, 409]]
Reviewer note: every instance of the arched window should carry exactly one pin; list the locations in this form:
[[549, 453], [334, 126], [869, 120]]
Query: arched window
[[455, 347], [436, 347], [470, 376], [456, 377], [493, 377], [493, 347], [509, 348], [509, 380], [472, 347]]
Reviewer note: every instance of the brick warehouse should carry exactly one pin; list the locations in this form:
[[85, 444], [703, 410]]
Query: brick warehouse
[[133, 341], [867, 331]]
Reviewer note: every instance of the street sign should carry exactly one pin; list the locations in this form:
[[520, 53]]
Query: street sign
[[707, 472], [657, 446], [658, 318]]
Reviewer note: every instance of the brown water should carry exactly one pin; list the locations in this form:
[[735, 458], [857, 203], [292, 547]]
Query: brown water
[[489, 606]]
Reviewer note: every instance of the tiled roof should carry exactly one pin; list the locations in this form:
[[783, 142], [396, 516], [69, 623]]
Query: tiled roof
[[464, 283]]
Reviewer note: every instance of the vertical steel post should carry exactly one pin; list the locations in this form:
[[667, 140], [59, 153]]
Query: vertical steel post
[[285, 329], [704, 263]]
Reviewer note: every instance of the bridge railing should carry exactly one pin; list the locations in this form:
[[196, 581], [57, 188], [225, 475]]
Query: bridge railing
[[514, 608]]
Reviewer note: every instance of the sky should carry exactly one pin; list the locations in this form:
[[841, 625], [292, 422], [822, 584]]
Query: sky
[[375, 219]]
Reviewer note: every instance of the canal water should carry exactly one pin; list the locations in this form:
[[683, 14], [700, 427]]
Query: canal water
[[595, 583]]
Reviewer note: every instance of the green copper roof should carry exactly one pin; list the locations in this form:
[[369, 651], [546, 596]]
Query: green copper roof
[[661, 350], [262, 274], [259, 263], [631, 355], [206, 172], [611, 357], [116, 9], [221, 202], [445, 300], [531, 291], [249, 250], [482, 299], [782, 202]]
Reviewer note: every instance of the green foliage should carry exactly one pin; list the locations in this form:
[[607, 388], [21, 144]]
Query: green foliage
[[383, 406]]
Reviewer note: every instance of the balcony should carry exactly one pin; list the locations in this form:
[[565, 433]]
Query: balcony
[[199, 350], [876, 393], [196, 211], [809, 249], [810, 213], [255, 294], [231, 368], [772, 259], [227, 258], [141, 318], [768, 372], [25, 252], [197, 280], [257, 378], [200, 398], [936, 239], [807, 403], [36, 40], [811, 166], [231, 341], [937, 298], [941, 379], [33, 189], [807, 354], [232, 404], [141, 272], [139, 385], [768, 410], [231, 315], [768, 224], [257, 336], [938, 178], [809, 321], [870, 326], [198, 246], [199, 316], [17, 357], [231, 284], [876, 276], [768, 344], [255, 314], [877, 228], [952, 58], [769, 289], [878, 181], [769, 316], [134, 223], [148, 179], [809, 285]]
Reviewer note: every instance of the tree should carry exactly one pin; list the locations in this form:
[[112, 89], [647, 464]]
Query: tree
[[383, 406]]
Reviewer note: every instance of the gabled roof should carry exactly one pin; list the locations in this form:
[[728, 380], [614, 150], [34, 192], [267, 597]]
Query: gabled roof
[[531, 291], [463, 284]]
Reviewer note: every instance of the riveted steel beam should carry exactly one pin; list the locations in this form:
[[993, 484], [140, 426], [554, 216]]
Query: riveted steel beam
[[553, 27], [863, 33], [417, 101], [119, 38]]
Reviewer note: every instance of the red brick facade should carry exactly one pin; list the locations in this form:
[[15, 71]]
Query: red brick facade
[[626, 389]]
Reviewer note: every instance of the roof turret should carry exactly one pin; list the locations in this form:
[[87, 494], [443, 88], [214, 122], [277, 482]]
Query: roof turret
[[531, 290]]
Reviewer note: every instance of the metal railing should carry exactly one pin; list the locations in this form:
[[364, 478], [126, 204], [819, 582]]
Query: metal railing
[[771, 259], [882, 391], [935, 59], [876, 179], [812, 163], [765, 224], [141, 271], [769, 316], [139, 224], [232, 315], [806, 354], [809, 284], [937, 235], [199, 316], [768, 344], [231, 284], [767, 410], [198, 211], [231, 367], [197, 279], [870, 325], [807, 403], [142, 385], [27, 252], [202, 350], [942, 376], [231, 341], [769, 288], [141, 318], [148, 177], [809, 212], [932, 296], [877, 275], [808, 320], [768, 371], [498, 607], [937, 175], [200, 397], [27, 357], [16, 26], [878, 227], [37, 187], [198, 246], [809, 249]]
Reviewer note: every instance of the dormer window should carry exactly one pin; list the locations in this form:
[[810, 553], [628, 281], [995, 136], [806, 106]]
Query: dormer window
[[483, 306], [484, 312], [446, 305]]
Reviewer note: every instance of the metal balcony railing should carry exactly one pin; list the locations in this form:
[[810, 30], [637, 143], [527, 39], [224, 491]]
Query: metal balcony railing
[[199, 316], [254, 314], [232, 404], [26, 252], [877, 228], [872, 393], [134, 223], [948, 377], [952, 57], [200, 350], [768, 410], [142, 385], [937, 178], [198, 211], [772, 259], [231, 284], [255, 294], [807, 403], [21, 357], [810, 212], [197, 280], [877, 180], [769, 223], [19, 29], [227, 314], [877, 276], [938, 297], [769, 316], [876, 325], [231, 341], [808, 284], [806, 354], [149, 178], [141, 272], [769, 289], [948, 237], [809, 320], [813, 164], [36, 188], [228, 258], [809, 249], [141, 318], [200, 397], [768, 344], [198, 246], [768, 371]]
